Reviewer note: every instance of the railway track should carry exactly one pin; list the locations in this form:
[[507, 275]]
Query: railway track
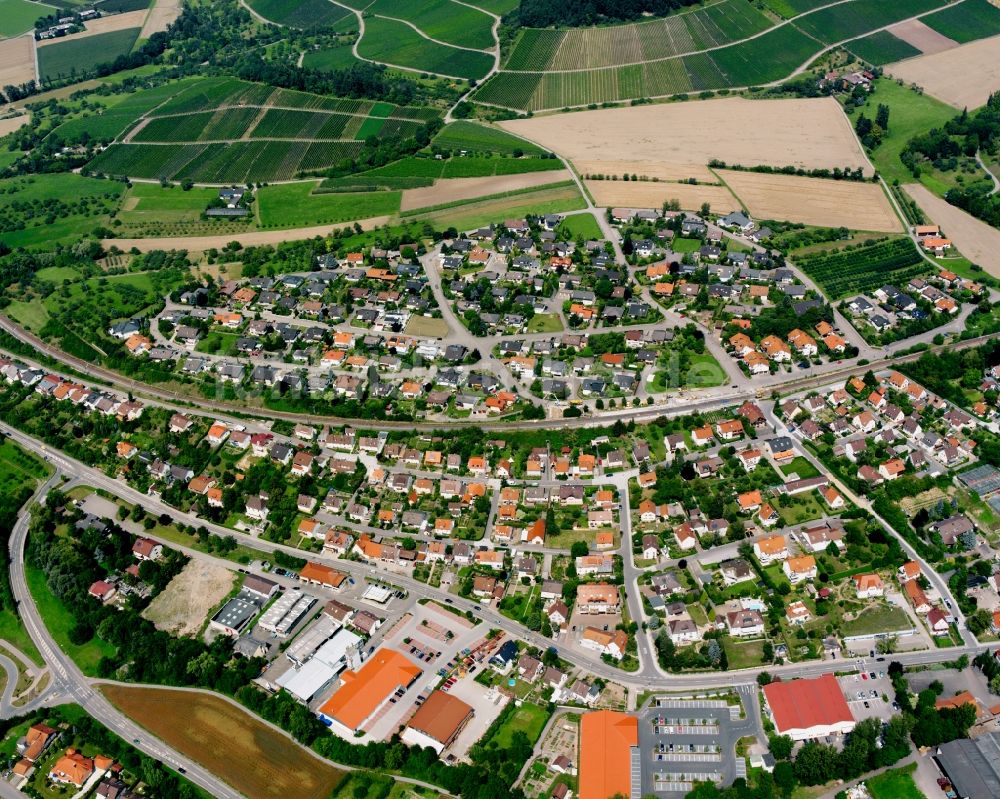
[[639, 415]]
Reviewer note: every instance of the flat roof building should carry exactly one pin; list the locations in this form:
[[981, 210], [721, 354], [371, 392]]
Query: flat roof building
[[973, 765], [235, 615], [808, 708], [438, 721]]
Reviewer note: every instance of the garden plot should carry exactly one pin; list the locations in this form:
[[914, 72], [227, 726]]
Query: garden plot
[[963, 77], [814, 201], [809, 133], [181, 608], [453, 189]]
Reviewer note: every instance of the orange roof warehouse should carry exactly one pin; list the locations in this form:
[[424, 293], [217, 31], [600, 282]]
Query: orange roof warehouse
[[438, 721], [607, 739], [808, 708], [364, 692]]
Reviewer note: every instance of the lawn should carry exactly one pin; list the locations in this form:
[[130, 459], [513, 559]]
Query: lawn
[[580, 225], [894, 784], [18, 16], [59, 620], [682, 245], [878, 619], [151, 202], [188, 720], [800, 508], [294, 205], [426, 326], [80, 56], [910, 113], [545, 323], [529, 719], [801, 467], [17, 467], [330, 58], [743, 654], [12, 630]]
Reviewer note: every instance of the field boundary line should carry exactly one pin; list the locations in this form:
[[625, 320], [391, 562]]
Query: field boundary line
[[229, 700]]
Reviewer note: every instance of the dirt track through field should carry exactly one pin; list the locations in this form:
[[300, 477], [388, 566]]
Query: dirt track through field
[[449, 190], [814, 201], [112, 22], [17, 60], [963, 77], [926, 39], [255, 238], [808, 133], [160, 16], [647, 194], [976, 240]]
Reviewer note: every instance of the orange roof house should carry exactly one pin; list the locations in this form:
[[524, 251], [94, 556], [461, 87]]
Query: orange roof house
[[72, 768], [364, 691], [323, 575], [607, 738], [36, 739]]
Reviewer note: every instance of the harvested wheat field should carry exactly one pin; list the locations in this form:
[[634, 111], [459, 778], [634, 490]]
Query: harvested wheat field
[[112, 22], [964, 76], [976, 240], [650, 194], [182, 606], [12, 123], [651, 169], [924, 38], [448, 190], [160, 16], [17, 60], [812, 134], [255, 758], [814, 201]]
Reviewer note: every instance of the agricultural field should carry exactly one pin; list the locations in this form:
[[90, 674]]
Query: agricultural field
[[224, 738], [976, 240], [305, 13], [17, 60], [814, 201], [498, 7], [71, 57], [295, 205], [39, 210], [442, 20], [330, 58], [915, 33], [544, 200], [809, 134], [397, 44], [945, 75], [649, 194], [836, 24], [791, 8], [226, 130], [588, 48], [150, 203], [880, 48], [475, 138], [451, 190], [18, 16], [965, 22], [864, 267]]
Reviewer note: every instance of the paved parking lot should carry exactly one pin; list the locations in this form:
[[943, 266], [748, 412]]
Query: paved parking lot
[[858, 692]]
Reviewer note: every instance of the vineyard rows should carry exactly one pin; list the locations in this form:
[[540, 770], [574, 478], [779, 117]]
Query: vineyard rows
[[861, 269], [589, 48], [767, 58]]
